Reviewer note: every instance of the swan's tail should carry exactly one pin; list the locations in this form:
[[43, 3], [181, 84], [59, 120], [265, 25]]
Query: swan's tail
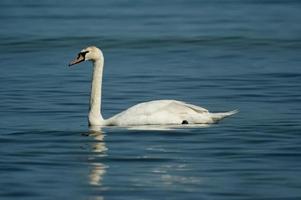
[[219, 116]]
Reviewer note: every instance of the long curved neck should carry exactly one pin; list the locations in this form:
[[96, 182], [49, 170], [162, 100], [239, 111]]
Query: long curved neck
[[95, 117]]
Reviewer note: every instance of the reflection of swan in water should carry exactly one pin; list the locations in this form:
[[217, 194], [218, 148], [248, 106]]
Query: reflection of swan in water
[[99, 149], [96, 174]]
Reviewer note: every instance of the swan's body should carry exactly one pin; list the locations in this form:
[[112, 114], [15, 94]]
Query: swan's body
[[164, 112], [158, 112]]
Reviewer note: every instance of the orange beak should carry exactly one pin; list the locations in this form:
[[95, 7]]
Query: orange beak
[[80, 58]]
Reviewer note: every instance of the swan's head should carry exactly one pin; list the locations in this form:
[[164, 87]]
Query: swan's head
[[91, 53]]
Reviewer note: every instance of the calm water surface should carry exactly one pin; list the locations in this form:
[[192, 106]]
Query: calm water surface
[[222, 55]]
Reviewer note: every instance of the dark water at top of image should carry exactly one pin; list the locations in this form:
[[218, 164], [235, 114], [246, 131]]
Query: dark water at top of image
[[221, 55]]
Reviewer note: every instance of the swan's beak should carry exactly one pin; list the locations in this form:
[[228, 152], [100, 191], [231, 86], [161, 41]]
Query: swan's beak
[[80, 58]]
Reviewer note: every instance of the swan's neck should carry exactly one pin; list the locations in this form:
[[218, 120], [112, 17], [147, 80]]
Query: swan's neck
[[95, 117]]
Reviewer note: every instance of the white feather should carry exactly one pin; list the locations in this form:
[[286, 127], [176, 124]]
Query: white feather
[[158, 112]]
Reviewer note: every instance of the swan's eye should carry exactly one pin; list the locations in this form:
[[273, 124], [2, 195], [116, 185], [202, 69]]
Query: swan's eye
[[82, 54]]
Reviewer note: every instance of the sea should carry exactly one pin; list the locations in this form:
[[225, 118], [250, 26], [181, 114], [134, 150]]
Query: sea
[[219, 54]]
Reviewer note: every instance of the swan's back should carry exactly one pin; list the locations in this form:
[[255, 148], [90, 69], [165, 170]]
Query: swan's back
[[161, 112]]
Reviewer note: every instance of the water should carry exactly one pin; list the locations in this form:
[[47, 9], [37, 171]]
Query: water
[[222, 55]]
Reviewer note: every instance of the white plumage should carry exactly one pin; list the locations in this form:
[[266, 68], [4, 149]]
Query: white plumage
[[158, 112]]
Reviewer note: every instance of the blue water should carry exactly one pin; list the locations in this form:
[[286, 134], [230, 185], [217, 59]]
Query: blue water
[[222, 55]]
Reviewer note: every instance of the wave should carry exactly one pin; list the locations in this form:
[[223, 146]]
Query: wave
[[14, 44]]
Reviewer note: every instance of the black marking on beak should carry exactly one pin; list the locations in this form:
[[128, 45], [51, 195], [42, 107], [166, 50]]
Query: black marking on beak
[[83, 54], [80, 58]]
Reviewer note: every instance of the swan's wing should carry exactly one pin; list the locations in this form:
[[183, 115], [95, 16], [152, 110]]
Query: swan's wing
[[157, 112], [182, 108], [171, 106], [197, 109]]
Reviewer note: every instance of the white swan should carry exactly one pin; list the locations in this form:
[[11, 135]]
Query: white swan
[[158, 112]]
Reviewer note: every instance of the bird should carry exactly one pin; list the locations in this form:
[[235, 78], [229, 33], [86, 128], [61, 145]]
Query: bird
[[156, 112]]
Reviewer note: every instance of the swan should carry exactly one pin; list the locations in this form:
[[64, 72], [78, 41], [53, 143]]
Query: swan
[[157, 112]]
